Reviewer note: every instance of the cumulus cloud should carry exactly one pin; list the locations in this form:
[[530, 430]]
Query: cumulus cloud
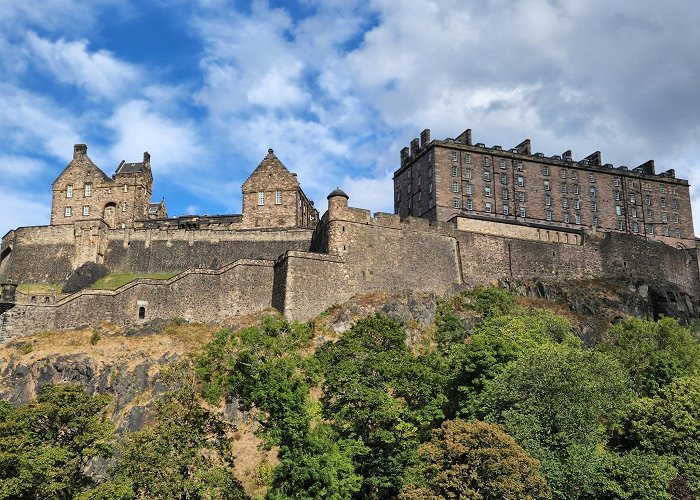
[[100, 73], [22, 209]]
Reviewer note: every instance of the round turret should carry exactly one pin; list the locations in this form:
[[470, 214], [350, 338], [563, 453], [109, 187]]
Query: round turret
[[337, 199]]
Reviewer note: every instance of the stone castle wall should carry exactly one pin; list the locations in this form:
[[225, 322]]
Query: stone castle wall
[[352, 253]]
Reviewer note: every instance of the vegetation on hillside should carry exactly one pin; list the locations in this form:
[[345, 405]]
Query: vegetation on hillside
[[495, 400]]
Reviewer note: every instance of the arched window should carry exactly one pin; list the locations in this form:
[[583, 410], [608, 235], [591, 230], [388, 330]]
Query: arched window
[[142, 312]]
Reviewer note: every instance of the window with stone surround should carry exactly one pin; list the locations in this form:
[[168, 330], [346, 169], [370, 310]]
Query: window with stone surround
[[455, 169], [674, 203], [506, 210], [86, 210], [620, 225], [577, 204], [618, 210], [522, 212], [664, 217], [650, 228], [487, 191], [487, 175], [546, 185], [68, 212], [521, 181], [88, 189], [504, 194], [504, 179], [467, 173], [454, 155], [676, 218], [578, 218], [594, 206], [545, 170], [576, 188], [521, 196], [567, 218], [650, 213], [663, 202], [592, 191], [594, 222], [124, 206], [647, 199], [565, 202], [455, 187], [261, 198], [487, 208], [470, 204], [69, 191], [125, 188], [563, 187], [278, 197], [455, 203], [502, 163], [467, 158], [547, 200], [635, 227], [487, 161], [666, 232], [469, 188], [548, 215], [678, 233], [633, 197]]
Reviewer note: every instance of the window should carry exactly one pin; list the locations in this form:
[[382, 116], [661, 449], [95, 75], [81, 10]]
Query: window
[[563, 187], [469, 188], [521, 180], [578, 218], [454, 155], [545, 170], [455, 187], [633, 198], [616, 182], [123, 206], [574, 175], [577, 204], [261, 198], [521, 196], [565, 202], [278, 197], [678, 233], [647, 186], [666, 231], [487, 191], [470, 204], [88, 190], [487, 161], [546, 185], [69, 191], [504, 179], [467, 173], [487, 175], [650, 213], [594, 206], [454, 170], [504, 194], [548, 214], [662, 189], [618, 210], [522, 212], [519, 166], [592, 191], [68, 212], [502, 163], [591, 178], [663, 202], [506, 210], [674, 204], [562, 173], [647, 199], [467, 158], [664, 217], [487, 208], [594, 222], [576, 189], [676, 218], [125, 188], [635, 227], [86, 210], [633, 212], [547, 200], [633, 184], [618, 195], [620, 225], [650, 228], [566, 218]]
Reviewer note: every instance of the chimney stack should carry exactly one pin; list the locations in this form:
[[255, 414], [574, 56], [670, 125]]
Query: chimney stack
[[424, 138], [146, 157], [79, 150]]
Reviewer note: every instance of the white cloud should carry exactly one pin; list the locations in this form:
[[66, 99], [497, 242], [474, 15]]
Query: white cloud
[[22, 209], [365, 192], [100, 73], [172, 143], [17, 167]]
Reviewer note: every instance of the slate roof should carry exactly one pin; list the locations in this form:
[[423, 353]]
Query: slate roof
[[131, 168]]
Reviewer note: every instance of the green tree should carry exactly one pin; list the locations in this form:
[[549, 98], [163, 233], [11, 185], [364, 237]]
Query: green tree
[[378, 393], [637, 475], [493, 344], [669, 425], [263, 368], [46, 444], [474, 460], [559, 403], [654, 352]]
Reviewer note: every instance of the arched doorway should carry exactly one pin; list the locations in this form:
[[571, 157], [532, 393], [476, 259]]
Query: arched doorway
[[109, 212]]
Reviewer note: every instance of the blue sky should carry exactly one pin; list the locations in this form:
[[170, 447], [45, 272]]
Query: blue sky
[[337, 88]]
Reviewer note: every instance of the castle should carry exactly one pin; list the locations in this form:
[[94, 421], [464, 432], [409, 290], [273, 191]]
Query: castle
[[448, 233]]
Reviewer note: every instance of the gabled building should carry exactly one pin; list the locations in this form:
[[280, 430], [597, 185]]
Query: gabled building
[[272, 197], [84, 192]]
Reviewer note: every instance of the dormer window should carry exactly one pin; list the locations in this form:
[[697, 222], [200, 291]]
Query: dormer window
[[261, 198], [69, 191], [88, 190]]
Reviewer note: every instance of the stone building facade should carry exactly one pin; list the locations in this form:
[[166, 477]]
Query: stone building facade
[[441, 179], [272, 197], [84, 192]]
